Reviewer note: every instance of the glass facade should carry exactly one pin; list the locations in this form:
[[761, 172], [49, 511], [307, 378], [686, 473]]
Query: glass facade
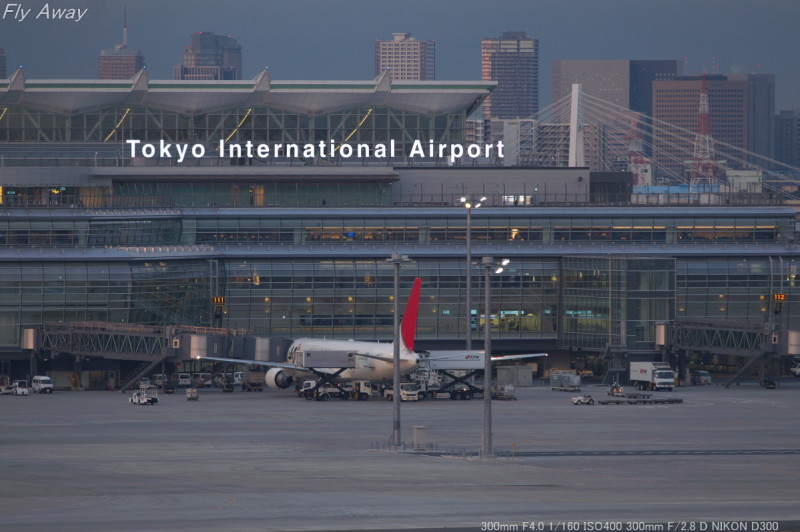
[[151, 292], [110, 127], [353, 298], [615, 301], [737, 289], [322, 273], [516, 227]]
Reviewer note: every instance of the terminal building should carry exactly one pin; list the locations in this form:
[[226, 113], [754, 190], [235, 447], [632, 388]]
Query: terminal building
[[297, 246]]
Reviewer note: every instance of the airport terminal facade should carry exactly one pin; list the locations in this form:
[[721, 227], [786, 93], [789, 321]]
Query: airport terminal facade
[[294, 247]]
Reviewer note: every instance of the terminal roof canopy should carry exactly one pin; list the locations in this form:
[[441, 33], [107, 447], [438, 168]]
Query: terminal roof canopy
[[197, 97]]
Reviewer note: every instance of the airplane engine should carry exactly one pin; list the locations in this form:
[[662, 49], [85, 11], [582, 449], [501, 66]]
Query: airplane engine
[[277, 378]]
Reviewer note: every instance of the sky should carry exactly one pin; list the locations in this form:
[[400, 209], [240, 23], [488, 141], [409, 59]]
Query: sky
[[334, 39]]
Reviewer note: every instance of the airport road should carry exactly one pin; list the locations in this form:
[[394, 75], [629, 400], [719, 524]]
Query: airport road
[[90, 462]]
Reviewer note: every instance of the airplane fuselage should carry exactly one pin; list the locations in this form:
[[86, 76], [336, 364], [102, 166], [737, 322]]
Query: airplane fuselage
[[376, 366]]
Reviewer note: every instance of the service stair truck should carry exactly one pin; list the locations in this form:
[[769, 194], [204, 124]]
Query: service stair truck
[[652, 376]]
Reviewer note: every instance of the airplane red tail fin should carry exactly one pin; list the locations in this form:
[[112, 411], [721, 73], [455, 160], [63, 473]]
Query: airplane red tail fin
[[408, 327]]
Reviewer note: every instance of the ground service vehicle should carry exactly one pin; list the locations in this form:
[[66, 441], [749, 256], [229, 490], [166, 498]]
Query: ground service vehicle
[[701, 377], [583, 400], [253, 381], [42, 384], [145, 395], [311, 390], [652, 376], [504, 392], [20, 388], [359, 390], [409, 391], [795, 370]]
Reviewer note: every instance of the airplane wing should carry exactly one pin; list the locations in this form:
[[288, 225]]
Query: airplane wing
[[463, 359], [250, 362], [516, 357], [470, 355]]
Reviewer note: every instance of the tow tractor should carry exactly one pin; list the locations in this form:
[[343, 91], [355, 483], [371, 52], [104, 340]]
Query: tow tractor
[[145, 395], [583, 400]]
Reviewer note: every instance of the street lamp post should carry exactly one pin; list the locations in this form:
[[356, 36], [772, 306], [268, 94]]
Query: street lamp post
[[489, 265], [469, 205], [396, 259]]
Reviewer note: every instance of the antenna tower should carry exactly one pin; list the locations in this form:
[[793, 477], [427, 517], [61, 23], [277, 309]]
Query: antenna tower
[[704, 169]]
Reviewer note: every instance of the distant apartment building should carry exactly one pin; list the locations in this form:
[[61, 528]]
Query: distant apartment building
[[741, 111], [624, 82], [787, 137], [512, 60], [3, 71], [210, 57], [119, 62], [406, 58]]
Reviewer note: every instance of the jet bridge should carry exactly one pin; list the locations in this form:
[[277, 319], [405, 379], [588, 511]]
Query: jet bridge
[[760, 342], [149, 345]]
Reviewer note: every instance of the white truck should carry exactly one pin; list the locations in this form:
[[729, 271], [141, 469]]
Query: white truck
[[652, 376], [409, 391], [795, 370]]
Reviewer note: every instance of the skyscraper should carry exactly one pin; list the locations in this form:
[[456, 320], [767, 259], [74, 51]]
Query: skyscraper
[[210, 57], [120, 62], [742, 112], [787, 137], [627, 83], [3, 73], [406, 58], [678, 102], [513, 61], [761, 118]]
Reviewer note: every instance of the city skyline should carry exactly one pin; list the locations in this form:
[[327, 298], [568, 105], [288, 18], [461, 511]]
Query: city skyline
[[743, 36]]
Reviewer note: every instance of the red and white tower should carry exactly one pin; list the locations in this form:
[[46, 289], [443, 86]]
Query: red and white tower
[[705, 171]]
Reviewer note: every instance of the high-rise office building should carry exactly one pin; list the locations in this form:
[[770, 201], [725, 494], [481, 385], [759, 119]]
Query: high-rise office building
[[210, 57], [761, 118], [678, 102], [406, 58], [513, 61], [3, 73], [120, 62], [627, 83], [787, 137], [742, 112]]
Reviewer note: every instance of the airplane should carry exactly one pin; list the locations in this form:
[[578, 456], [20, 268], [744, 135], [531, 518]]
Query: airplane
[[333, 361], [343, 360]]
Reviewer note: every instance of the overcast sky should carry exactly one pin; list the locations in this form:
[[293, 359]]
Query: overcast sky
[[334, 39]]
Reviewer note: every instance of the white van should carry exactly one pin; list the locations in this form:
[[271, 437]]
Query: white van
[[42, 384], [184, 380]]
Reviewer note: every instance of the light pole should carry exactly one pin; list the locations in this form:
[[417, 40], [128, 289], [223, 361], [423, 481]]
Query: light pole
[[396, 259], [489, 265], [469, 205]]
